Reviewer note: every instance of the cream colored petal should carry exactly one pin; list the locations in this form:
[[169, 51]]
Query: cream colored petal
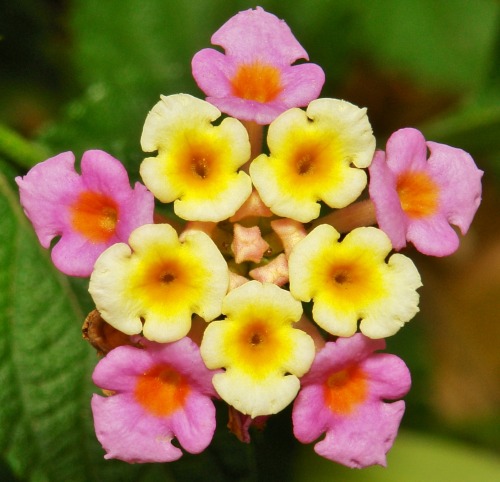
[[212, 346], [303, 258], [156, 175], [217, 205], [262, 297], [352, 125], [107, 287], [279, 195], [152, 237], [256, 398], [157, 329], [331, 320], [216, 284], [303, 353], [388, 316], [171, 112]]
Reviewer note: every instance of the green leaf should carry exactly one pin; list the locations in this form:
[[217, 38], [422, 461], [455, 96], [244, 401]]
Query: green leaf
[[45, 367], [446, 44]]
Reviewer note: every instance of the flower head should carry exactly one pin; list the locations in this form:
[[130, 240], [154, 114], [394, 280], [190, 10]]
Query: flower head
[[344, 395], [350, 281], [417, 198], [254, 80], [315, 156], [197, 162], [90, 211], [159, 282], [262, 353], [160, 392]]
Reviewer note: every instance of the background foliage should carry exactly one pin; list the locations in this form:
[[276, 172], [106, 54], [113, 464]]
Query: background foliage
[[82, 74]]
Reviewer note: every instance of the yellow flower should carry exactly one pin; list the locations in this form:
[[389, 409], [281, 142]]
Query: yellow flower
[[159, 282], [262, 353], [314, 156], [350, 281], [197, 162]]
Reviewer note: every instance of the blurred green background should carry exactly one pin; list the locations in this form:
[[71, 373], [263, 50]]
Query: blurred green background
[[82, 74]]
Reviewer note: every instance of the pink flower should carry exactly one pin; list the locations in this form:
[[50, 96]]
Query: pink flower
[[161, 392], [416, 199], [255, 80], [343, 395], [90, 211]]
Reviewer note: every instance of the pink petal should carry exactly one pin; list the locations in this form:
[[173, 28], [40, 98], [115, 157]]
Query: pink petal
[[194, 426], [336, 356], [406, 151], [363, 440], [128, 433], [74, 255], [45, 190], [301, 84], [389, 376], [137, 208], [460, 183], [185, 356], [104, 174], [433, 236], [310, 416], [119, 369], [390, 215], [212, 71], [258, 34], [249, 110]]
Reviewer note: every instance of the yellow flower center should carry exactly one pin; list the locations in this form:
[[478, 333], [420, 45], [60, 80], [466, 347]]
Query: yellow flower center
[[257, 81], [354, 280], [163, 281], [345, 390], [418, 194], [161, 390], [259, 347], [95, 216], [198, 157]]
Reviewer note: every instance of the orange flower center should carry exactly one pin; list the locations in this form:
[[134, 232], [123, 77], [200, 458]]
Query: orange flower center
[[344, 390], [95, 216], [418, 194], [257, 81], [161, 390]]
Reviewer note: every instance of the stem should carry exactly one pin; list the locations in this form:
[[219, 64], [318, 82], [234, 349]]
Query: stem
[[255, 135], [14, 147], [353, 216]]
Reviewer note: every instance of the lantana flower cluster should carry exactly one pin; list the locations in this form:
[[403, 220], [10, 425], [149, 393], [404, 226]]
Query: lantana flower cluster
[[280, 277]]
